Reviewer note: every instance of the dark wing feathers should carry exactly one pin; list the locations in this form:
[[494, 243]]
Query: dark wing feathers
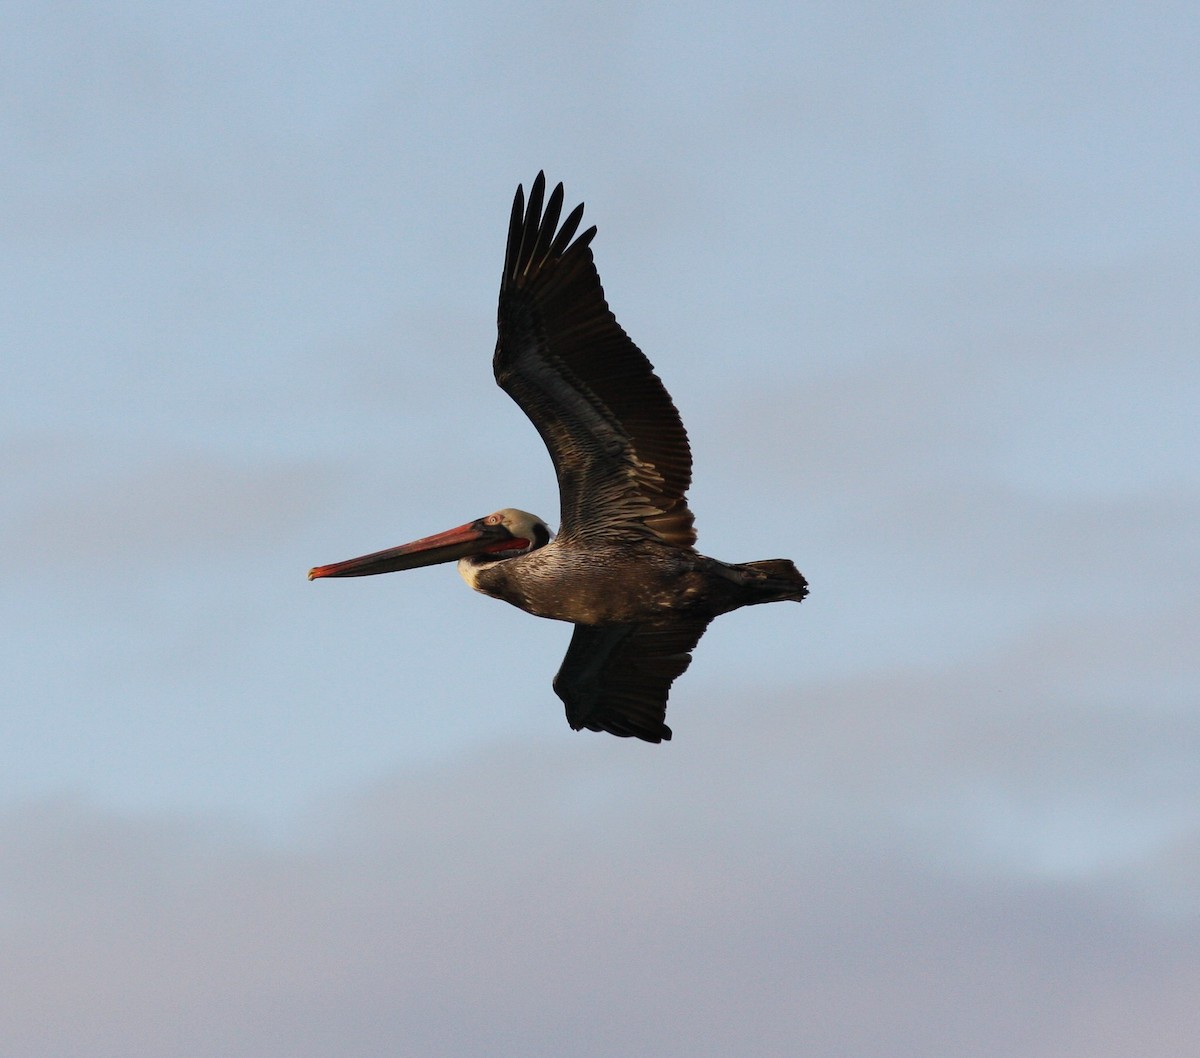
[[617, 442], [616, 678]]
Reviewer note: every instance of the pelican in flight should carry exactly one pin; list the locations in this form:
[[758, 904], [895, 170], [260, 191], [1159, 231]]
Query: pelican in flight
[[623, 568]]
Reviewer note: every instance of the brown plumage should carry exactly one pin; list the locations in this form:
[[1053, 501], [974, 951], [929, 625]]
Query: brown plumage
[[622, 568]]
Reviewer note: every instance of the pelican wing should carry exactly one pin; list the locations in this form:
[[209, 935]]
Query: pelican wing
[[616, 678], [617, 442]]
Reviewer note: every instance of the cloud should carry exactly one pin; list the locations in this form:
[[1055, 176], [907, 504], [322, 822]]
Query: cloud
[[531, 900]]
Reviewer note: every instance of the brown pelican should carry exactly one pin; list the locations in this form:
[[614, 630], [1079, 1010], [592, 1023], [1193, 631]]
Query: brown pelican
[[622, 567]]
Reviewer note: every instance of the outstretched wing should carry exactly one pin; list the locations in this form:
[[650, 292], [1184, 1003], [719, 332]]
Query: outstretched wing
[[616, 440], [616, 678]]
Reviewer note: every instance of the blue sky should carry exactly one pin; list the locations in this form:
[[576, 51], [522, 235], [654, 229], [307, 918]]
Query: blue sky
[[922, 282]]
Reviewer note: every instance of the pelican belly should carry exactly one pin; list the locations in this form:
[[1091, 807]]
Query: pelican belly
[[605, 585]]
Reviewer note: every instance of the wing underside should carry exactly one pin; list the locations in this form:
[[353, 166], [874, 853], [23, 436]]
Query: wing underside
[[616, 678]]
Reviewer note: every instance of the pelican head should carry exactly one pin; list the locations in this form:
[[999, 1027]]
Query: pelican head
[[505, 534]]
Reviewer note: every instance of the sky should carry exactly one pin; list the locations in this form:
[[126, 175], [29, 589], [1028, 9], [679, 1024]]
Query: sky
[[922, 280]]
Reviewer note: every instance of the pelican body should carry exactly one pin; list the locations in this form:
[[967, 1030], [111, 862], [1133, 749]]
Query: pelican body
[[623, 568]]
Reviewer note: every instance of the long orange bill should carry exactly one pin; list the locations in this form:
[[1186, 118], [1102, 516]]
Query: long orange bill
[[471, 539]]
